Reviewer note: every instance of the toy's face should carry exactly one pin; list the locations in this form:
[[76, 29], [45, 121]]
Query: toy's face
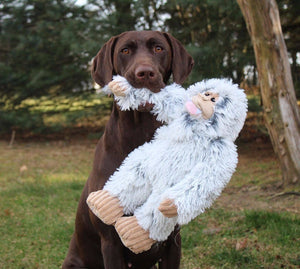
[[205, 102]]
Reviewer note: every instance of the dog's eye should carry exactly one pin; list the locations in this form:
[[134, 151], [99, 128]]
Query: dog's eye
[[213, 99], [207, 94], [125, 51], [158, 49]]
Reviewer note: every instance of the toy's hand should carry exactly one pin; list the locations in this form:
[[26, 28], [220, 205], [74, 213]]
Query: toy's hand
[[168, 208], [116, 88]]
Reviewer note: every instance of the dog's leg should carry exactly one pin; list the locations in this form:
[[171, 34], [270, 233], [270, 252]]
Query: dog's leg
[[73, 260], [85, 246], [171, 259], [112, 252]]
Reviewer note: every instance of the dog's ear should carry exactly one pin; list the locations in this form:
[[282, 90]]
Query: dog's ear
[[182, 62], [102, 67]]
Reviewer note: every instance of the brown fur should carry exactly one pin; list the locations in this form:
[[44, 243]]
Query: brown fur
[[95, 244]]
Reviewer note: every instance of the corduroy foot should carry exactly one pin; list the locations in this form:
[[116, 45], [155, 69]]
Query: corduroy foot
[[132, 235], [105, 207]]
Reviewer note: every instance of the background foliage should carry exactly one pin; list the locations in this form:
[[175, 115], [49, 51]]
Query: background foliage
[[46, 45]]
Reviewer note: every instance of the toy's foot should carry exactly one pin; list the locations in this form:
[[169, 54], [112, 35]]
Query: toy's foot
[[132, 235], [105, 207]]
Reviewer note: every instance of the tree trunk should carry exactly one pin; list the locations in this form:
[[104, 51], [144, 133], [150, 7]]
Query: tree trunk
[[281, 112]]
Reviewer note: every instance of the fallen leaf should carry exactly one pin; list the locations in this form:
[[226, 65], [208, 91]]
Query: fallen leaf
[[23, 168], [7, 212], [211, 231], [240, 245]]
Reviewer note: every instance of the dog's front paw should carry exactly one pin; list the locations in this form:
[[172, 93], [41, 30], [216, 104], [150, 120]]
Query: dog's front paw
[[132, 235]]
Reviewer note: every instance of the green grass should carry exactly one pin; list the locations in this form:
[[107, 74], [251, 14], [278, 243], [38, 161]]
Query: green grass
[[38, 203], [40, 185], [245, 239]]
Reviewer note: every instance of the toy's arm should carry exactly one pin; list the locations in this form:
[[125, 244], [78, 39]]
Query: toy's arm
[[168, 103], [197, 191], [126, 96]]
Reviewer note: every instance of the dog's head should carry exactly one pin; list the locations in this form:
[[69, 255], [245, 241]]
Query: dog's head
[[145, 58]]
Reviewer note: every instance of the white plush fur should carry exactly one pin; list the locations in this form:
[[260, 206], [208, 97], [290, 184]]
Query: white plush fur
[[190, 160]]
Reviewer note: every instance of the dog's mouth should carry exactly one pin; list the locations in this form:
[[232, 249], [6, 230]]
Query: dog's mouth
[[154, 85], [147, 107]]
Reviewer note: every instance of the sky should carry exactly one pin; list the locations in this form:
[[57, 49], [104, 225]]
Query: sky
[[80, 2]]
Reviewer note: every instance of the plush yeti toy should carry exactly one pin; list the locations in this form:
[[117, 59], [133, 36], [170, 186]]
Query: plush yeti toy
[[176, 176]]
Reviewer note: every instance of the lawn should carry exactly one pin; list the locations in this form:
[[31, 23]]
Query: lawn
[[248, 226]]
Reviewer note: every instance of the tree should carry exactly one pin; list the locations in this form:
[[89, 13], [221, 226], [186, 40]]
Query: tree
[[216, 35], [281, 112], [44, 48], [290, 22], [111, 17]]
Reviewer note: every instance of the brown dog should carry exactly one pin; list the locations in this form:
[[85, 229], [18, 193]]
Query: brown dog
[[145, 59]]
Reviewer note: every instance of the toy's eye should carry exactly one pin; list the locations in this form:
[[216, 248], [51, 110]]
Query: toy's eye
[[207, 94], [125, 51], [158, 49], [213, 99]]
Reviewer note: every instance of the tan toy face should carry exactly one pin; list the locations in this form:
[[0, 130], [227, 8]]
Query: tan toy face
[[206, 103]]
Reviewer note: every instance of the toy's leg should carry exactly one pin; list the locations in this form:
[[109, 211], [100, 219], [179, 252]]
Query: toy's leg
[[148, 225], [130, 184], [132, 235], [122, 194], [127, 189], [105, 206], [152, 220]]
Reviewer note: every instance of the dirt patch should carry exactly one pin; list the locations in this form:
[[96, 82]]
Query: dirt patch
[[257, 183], [258, 200]]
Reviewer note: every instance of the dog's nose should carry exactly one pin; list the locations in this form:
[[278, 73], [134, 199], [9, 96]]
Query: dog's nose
[[145, 72]]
